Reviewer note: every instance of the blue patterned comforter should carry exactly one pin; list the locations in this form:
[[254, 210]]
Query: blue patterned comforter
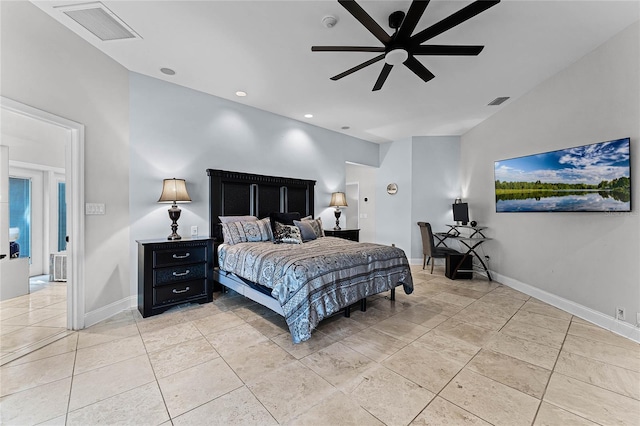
[[316, 279]]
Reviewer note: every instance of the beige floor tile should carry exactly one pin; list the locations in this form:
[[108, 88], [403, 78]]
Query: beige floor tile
[[6, 329], [158, 322], [469, 333], [140, 406], [102, 383], [32, 317], [454, 299], [231, 340], [195, 312], [197, 385], [62, 346], [539, 307], [506, 302], [391, 398], [339, 365], [598, 334], [238, 407], [520, 375], [591, 402], [550, 415], [11, 312], [337, 409], [616, 379], [540, 320], [490, 400], [400, 329], [182, 356], [421, 316], [524, 350], [479, 315], [374, 344], [440, 307], [441, 412], [51, 401], [59, 320], [509, 292], [170, 336], [448, 345], [543, 336], [429, 369], [103, 333], [371, 316], [27, 336], [318, 341], [253, 311], [97, 356], [252, 362], [463, 289], [16, 378], [270, 326], [56, 421], [338, 327], [603, 352], [290, 390]]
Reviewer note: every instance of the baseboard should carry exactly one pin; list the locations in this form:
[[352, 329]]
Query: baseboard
[[106, 312], [598, 318]]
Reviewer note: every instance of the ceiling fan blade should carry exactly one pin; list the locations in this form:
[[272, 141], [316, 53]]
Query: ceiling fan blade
[[420, 70], [382, 77], [346, 49], [357, 67], [451, 21], [365, 19], [410, 21], [446, 50]]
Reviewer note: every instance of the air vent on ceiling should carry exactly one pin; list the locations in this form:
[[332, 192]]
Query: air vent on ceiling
[[498, 101], [100, 21]]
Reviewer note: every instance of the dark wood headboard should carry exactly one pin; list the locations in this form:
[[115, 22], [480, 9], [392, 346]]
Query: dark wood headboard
[[238, 194]]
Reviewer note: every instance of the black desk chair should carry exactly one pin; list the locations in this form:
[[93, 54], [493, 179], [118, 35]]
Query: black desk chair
[[428, 247]]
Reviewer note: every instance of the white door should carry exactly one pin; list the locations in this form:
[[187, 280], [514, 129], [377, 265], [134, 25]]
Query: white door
[[353, 210]]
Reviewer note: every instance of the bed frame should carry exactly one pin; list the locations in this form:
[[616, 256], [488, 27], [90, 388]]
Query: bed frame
[[239, 194]]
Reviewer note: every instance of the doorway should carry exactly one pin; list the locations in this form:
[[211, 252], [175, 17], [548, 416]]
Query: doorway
[[74, 197], [353, 200]]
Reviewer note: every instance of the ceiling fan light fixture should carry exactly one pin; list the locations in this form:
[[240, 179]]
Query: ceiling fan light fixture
[[396, 56]]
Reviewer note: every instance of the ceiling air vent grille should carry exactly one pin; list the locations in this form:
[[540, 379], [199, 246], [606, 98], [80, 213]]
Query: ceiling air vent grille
[[99, 21], [498, 101]]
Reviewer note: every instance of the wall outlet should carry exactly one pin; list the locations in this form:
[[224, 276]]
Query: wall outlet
[[620, 314], [194, 231], [94, 208]]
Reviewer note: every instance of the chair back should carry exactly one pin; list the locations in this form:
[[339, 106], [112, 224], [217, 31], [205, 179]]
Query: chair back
[[427, 238]]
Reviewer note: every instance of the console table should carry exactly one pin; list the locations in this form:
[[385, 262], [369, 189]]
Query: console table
[[471, 239]]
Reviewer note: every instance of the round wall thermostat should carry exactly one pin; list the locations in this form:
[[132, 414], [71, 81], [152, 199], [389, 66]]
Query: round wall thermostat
[[392, 188]]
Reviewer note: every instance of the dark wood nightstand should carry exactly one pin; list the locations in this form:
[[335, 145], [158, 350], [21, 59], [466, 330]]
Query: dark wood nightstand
[[347, 234], [173, 272]]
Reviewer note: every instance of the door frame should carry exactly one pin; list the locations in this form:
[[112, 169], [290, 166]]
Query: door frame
[[74, 177]]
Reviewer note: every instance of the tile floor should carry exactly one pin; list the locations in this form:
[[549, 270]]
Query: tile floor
[[33, 319], [454, 353]]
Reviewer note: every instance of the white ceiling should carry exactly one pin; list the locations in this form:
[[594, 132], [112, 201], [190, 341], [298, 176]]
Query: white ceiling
[[264, 48]]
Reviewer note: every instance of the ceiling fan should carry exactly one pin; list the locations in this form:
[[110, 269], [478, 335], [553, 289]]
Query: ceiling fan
[[401, 47]]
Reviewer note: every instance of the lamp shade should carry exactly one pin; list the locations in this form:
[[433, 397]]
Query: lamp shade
[[338, 199], [174, 191]]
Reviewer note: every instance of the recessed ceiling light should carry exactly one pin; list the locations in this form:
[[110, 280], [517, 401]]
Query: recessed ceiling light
[[308, 116], [241, 94], [167, 71], [345, 127]]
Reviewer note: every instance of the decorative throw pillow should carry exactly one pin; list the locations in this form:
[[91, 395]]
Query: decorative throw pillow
[[234, 233], [227, 219], [247, 231], [283, 218], [316, 224], [288, 234], [306, 230]]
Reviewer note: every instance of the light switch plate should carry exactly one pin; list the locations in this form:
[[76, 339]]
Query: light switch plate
[[94, 208], [194, 231]]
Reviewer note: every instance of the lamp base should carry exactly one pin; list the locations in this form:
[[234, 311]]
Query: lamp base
[[337, 213], [174, 215]]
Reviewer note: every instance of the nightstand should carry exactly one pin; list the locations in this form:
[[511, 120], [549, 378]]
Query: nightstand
[[347, 234], [173, 272]]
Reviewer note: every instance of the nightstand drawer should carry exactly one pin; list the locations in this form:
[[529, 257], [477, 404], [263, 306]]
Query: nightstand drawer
[[179, 273], [177, 292], [179, 256]]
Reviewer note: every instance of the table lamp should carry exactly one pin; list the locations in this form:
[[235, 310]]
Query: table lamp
[[338, 199], [174, 191]]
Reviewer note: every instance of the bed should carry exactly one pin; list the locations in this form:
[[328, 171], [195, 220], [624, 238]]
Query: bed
[[304, 282]]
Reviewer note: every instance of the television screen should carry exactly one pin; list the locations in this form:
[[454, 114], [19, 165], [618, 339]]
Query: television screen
[[461, 212], [588, 178]]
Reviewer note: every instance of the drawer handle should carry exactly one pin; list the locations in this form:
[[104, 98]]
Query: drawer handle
[[181, 274], [181, 291], [184, 256]]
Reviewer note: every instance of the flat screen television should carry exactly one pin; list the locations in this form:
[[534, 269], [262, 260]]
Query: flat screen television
[[587, 178]]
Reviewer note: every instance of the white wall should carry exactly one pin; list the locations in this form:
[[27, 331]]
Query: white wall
[[179, 132], [366, 178], [589, 259], [46, 66]]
